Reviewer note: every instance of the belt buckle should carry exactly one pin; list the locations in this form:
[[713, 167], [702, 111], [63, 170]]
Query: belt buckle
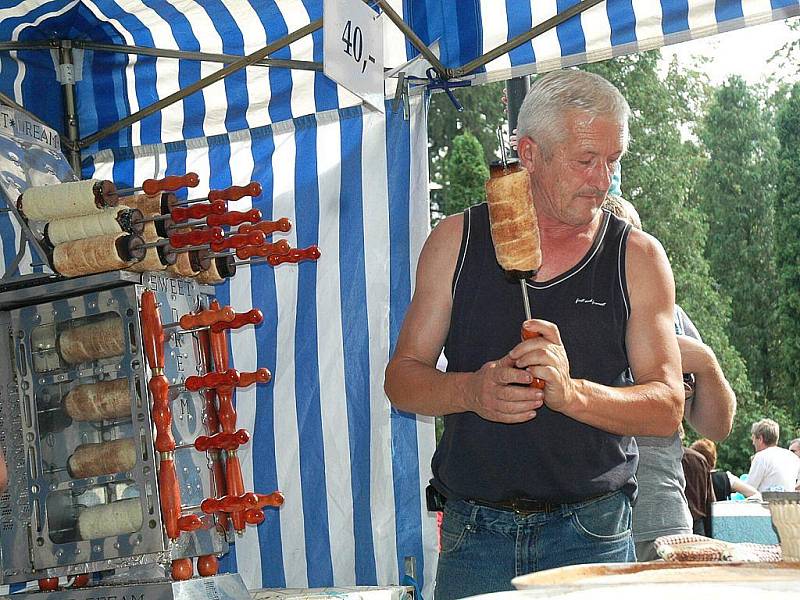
[[523, 506]]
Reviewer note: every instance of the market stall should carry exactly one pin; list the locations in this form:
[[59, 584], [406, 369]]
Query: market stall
[[354, 181]]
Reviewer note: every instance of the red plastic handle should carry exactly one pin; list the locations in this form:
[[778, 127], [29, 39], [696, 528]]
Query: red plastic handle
[[251, 317], [190, 523], [268, 227], [254, 516], [279, 248], [161, 413], [233, 471], [180, 214], [227, 413], [235, 217], [151, 187], [235, 192], [152, 331], [295, 256], [207, 317], [230, 503], [222, 441], [254, 238], [195, 383], [262, 375], [196, 236], [170, 497], [529, 335], [274, 499]]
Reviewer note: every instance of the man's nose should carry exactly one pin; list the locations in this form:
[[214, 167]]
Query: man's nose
[[601, 176]]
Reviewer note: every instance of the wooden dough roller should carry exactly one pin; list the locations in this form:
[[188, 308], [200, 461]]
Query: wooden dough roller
[[70, 199], [156, 259], [105, 520], [102, 338], [120, 219], [99, 401], [98, 254], [103, 458], [515, 229], [220, 269]]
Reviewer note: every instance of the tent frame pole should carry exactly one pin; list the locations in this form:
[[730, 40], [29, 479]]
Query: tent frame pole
[[522, 38], [238, 65], [71, 129]]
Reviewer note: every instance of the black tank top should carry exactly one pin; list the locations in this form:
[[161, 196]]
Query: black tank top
[[553, 457]]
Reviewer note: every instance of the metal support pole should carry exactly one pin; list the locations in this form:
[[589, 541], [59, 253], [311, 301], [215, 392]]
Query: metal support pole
[[71, 130], [240, 64], [515, 93]]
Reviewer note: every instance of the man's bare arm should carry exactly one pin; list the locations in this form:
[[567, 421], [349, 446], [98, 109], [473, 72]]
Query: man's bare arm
[[711, 411], [412, 382], [654, 405]]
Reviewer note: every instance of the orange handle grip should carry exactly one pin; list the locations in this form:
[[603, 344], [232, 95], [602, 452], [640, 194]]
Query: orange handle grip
[[274, 499], [207, 317], [233, 471], [222, 441], [219, 346], [196, 236], [195, 383], [151, 187], [254, 516], [161, 413], [152, 331], [235, 192], [207, 565], [262, 375], [278, 248], [295, 256], [529, 335], [227, 414], [170, 497], [180, 214], [235, 217], [182, 569], [190, 523], [254, 238], [229, 503], [268, 227], [251, 317]]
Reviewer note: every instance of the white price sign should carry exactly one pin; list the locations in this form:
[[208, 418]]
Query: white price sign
[[353, 49]]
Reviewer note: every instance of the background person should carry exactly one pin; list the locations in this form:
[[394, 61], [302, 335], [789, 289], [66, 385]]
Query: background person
[[724, 482], [773, 468], [794, 446]]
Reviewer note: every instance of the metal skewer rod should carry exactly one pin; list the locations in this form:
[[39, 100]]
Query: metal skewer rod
[[525, 300]]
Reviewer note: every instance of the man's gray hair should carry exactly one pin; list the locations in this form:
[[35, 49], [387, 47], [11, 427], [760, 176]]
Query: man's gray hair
[[794, 441], [768, 430], [552, 96]]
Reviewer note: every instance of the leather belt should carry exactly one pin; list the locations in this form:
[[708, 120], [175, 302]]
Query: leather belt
[[521, 506]]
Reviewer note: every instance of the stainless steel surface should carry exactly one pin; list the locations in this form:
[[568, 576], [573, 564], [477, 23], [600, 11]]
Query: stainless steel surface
[[45, 522], [219, 587], [66, 287]]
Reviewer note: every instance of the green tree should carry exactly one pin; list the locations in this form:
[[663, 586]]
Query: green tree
[[787, 244], [659, 175], [736, 190], [465, 174]]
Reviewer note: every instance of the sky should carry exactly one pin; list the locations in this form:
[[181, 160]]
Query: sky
[[744, 51]]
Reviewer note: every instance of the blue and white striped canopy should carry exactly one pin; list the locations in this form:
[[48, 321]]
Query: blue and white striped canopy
[[355, 183]]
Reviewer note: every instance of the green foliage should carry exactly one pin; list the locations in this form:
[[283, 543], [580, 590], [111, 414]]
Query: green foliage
[[787, 244], [483, 113], [736, 190], [465, 174]]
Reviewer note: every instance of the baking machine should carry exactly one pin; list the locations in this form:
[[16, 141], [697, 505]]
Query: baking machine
[[117, 423], [117, 417]]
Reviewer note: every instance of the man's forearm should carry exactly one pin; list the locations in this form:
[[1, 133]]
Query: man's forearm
[[711, 411], [654, 408], [419, 388]]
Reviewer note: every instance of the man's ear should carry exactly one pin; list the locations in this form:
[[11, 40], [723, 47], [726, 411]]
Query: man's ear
[[528, 152]]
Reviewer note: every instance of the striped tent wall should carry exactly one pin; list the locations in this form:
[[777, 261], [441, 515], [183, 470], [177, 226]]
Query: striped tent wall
[[353, 470], [114, 85], [608, 29]]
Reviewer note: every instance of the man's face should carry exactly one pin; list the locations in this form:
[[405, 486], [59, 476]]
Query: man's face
[[570, 187], [795, 447]]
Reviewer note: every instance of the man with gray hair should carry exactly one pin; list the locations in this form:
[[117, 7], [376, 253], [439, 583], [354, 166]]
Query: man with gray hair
[[794, 446], [533, 479], [773, 468]]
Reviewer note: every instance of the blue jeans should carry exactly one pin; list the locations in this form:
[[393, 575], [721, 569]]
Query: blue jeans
[[484, 548]]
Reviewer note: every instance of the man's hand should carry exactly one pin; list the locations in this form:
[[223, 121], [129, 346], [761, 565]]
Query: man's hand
[[502, 393], [544, 357], [696, 357]]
